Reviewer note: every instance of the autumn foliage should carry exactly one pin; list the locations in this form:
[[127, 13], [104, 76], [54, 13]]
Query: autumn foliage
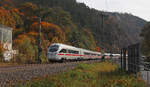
[[57, 26], [6, 17], [27, 49], [51, 32], [1, 51], [98, 49]]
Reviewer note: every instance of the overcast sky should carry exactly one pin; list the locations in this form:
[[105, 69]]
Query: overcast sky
[[139, 8]]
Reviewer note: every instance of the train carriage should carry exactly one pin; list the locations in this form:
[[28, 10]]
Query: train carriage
[[59, 52]]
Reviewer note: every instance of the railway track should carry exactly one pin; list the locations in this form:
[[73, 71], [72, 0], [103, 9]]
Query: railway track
[[12, 75]]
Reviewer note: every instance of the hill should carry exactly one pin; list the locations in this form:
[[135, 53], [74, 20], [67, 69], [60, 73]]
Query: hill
[[69, 22], [119, 28]]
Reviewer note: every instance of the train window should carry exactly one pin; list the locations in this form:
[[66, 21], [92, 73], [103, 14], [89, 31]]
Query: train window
[[92, 54], [63, 51], [70, 51], [76, 52], [85, 53], [53, 48], [73, 51]]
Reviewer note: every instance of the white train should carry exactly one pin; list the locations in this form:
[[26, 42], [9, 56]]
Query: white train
[[61, 52], [110, 55]]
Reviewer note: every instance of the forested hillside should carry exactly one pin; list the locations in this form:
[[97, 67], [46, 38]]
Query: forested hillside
[[69, 22], [120, 29], [146, 39]]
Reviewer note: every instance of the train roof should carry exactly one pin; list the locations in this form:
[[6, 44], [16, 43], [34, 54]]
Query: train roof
[[71, 47], [116, 54], [64, 45]]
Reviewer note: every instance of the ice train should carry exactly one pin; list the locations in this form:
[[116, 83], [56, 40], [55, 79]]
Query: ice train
[[62, 52]]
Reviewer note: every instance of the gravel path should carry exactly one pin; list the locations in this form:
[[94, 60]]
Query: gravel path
[[11, 75]]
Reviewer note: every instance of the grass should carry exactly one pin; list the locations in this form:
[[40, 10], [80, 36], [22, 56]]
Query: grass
[[103, 74]]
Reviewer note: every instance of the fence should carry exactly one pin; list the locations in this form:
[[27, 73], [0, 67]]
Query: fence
[[132, 61]]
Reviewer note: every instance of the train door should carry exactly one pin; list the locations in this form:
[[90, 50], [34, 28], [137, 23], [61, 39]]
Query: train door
[[62, 54]]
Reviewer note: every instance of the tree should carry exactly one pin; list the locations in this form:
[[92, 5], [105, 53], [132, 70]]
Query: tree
[[29, 9], [6, 18], [50, 31], [27, 51], [1, 52], [98, 49], [146, 41], [55, 15]]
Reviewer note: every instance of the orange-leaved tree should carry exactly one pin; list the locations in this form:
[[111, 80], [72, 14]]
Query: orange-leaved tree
[[6, 18], [1, 52], [28, 9], [98, 49], [50, 31], [27, 50]]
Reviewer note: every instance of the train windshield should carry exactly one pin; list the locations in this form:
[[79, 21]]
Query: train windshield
[[53, 48]]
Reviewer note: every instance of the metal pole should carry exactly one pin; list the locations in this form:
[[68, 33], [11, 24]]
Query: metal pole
[[39, 41], [148, 77], [133, 58], [129, 59], [124, 59], [121, 58], [139, 57], [102, 26]]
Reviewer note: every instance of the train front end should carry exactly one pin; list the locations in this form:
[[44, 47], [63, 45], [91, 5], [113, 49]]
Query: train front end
[[53, 50]]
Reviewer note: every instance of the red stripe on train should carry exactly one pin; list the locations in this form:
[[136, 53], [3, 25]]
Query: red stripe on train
[[69, 54], [74, 55], [60, 54], [77, 55]]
